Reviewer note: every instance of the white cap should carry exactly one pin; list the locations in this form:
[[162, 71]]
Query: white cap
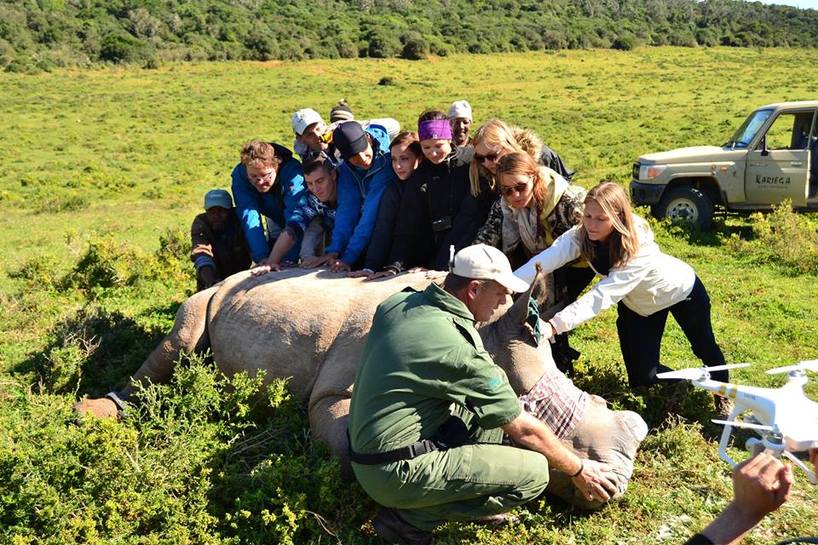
[[460, 108], [482, 262], [304, 118]]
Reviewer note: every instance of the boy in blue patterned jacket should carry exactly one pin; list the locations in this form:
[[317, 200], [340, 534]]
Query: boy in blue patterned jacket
[[319, 203]]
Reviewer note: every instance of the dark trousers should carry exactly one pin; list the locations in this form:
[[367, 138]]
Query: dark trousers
[[568, 284], [640, 337]]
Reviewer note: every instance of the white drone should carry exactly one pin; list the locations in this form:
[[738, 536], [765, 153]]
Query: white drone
[[785, 418]]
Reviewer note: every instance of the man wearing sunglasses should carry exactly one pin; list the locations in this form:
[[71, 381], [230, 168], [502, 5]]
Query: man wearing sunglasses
[[267, 183]]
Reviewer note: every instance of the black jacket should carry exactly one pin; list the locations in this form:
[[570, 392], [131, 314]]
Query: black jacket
[[430, 203], [380, 244]]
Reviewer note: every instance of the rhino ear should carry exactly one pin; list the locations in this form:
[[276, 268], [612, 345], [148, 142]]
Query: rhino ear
[[541, 286], [519, 310]]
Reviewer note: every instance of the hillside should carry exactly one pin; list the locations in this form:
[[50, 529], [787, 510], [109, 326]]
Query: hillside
[[39, 35]]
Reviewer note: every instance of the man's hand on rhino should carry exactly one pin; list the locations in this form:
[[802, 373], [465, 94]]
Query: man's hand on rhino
[[340, 266], [318, 261], [596, 481], [264, 268], [363, 273], [382, 274]]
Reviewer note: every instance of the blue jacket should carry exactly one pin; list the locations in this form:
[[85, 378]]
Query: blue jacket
[[307, 208], [277, 204], [359, 194]]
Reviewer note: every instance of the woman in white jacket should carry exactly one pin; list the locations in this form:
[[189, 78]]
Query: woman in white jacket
[[645, 283]]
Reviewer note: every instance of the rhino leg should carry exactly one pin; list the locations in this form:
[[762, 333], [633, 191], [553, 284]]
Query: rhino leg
[[186, 336], [612, 437], [329, 418]]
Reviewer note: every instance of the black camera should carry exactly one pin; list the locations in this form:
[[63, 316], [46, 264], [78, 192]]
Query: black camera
[[442, 224]]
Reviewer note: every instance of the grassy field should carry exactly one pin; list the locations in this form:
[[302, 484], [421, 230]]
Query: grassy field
[[103, 172]]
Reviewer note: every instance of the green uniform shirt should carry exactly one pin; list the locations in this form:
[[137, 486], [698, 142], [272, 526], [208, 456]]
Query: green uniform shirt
[[423, 354]]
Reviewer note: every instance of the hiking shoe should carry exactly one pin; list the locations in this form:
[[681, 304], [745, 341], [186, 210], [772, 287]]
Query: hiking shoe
[[724, 406], [393, 529]]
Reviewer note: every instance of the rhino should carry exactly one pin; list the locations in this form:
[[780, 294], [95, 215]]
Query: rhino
[[311, 326]]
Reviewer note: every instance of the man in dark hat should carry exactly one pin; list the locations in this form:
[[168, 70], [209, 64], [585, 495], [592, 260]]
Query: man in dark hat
[[362, 178], [219, 248]]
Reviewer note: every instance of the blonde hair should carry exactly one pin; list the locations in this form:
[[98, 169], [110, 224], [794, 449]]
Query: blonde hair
[[623, 244], [494, 133], [258, 153], [521, 163]]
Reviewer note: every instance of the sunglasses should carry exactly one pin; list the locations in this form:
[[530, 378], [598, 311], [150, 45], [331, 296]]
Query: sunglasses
[[508, 191], [488, 157]]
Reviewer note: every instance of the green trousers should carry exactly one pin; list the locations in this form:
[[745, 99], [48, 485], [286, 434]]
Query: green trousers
[[463, 483]]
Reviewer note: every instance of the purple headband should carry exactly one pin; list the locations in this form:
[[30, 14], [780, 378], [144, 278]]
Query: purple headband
[[435, 129]]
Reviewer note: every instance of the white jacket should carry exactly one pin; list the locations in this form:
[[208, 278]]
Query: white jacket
[[649, 282]]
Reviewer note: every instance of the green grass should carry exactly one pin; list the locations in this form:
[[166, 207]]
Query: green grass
[[98, 165]]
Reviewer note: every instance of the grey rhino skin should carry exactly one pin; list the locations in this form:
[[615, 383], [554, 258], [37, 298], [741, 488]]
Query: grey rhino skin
[[312, 327]]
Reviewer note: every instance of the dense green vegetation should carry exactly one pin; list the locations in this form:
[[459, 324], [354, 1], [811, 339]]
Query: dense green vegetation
[[41, 34], [103, 172]]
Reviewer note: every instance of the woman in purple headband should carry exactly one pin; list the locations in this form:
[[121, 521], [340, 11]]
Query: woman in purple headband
[[431, 200]]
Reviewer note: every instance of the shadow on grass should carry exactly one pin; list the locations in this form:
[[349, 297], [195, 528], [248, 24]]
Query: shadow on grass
[[94, 351], [720, 231]]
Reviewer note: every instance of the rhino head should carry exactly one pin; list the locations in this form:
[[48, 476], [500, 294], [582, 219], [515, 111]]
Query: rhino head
[[511, 341]]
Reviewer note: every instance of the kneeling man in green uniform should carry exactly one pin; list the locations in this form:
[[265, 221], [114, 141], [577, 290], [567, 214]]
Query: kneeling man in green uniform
[[430, 407]]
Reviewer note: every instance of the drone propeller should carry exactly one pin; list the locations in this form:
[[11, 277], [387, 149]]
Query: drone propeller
[[808, 365], [746, 425], [696, 373]]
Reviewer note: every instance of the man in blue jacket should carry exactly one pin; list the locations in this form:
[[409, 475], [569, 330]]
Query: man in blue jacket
[[362, 179], [268, 182]]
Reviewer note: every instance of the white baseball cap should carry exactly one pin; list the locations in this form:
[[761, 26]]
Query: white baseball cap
[[483, 262], [460, 108], [304, 118]]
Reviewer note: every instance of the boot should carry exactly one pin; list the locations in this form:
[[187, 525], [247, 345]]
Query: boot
[[393, 529]]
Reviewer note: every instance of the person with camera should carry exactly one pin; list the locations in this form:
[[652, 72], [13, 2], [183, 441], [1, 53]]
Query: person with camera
[[431, 200]]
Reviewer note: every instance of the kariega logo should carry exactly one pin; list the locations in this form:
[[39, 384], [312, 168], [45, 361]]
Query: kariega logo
[[772, 180]]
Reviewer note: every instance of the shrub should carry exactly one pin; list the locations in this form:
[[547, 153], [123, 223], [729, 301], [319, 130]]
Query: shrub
[[383, 44], [261, 46], [105, 264], [624, 42], [203, 459], [782, 237], [415, 47], [121, 48]]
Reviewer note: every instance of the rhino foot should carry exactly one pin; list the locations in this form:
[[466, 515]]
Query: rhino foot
[[99, 408]]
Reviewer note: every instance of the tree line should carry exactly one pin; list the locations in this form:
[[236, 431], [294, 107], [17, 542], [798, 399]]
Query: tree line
[[42, 34]]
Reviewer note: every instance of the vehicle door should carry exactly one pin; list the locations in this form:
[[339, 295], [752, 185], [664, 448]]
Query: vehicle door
[[778, 164]]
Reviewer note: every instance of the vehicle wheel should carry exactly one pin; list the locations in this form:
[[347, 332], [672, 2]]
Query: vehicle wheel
[[686, 204]]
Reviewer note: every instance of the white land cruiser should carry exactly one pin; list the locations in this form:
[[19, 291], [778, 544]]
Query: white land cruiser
[[771, 157]]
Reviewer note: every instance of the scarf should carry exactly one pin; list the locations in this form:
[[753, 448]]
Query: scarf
[[528, 225]]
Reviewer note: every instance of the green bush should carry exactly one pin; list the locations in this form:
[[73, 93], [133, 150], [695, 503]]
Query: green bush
[[382, 44], [121, 48], [415, 47], [105, 264], [204, 459], [624, 42], [782, 237]]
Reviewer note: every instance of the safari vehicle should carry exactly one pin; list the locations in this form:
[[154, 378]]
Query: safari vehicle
[[770, 158]]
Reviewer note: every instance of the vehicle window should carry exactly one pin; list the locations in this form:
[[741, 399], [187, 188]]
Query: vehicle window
[[745, 134], [789, 131]]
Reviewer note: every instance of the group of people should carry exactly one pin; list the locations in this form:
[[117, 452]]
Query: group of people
[[372, 201]]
